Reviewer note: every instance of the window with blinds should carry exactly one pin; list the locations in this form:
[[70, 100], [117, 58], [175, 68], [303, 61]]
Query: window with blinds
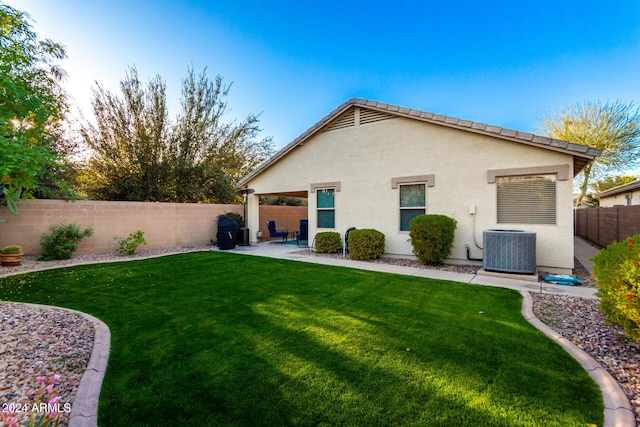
[[527, 199]]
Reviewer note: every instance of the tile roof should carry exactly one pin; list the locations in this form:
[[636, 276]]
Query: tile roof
[[582, 153], [624, 188]]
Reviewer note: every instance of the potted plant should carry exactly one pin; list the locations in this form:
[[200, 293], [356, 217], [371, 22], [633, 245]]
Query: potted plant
[[11, 256]]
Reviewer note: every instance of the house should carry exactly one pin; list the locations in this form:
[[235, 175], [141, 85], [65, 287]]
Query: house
[[373, 165], [622, 195]]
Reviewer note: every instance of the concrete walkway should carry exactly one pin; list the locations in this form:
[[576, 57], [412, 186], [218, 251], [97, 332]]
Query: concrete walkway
[[584, 251], [292, 252]]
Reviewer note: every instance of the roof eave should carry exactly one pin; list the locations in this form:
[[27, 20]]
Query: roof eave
[[624, 188]]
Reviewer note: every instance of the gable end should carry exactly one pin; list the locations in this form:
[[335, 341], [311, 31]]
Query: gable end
[[371, 116], [345, 120], [356, 117], [356, 111]]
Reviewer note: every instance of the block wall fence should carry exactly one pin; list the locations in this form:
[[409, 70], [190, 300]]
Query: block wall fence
[[603, 226], [165, 225]]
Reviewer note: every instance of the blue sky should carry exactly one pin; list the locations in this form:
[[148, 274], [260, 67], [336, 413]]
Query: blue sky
[[504, 63]]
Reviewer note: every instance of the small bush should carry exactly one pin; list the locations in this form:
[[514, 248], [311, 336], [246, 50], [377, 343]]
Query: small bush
[[62, 241], [328, 242], [12, 250], [234, 216], [129, 245], [617, 271], [366, 244], [432, 237]]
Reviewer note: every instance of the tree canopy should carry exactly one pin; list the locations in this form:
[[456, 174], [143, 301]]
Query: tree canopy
[[139, 154], [613, 127], [31, 105]]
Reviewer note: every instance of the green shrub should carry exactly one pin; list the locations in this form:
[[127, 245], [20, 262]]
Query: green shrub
[[234, 216], [129, 245], [366, 244], [62, 241], [432, 237], [328, 242], [617, 271], [12, 250]]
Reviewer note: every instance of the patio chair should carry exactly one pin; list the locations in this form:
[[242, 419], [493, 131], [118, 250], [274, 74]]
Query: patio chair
[[277, 232], [302, 236]]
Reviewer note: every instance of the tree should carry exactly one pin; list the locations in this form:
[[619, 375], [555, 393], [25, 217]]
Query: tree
[[127, 141], [31, 104], [613, 127], [140, 155]]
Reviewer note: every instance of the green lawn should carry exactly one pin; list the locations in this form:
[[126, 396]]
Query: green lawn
[[222, 339]]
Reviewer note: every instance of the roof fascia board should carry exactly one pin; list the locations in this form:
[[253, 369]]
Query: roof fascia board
[[505, 134], [624, 188]]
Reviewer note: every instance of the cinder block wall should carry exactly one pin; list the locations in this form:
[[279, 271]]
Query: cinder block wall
[[165, 225], [285, 217], [602, 226]]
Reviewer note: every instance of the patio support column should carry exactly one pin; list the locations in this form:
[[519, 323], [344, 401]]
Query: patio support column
[[253, 216]]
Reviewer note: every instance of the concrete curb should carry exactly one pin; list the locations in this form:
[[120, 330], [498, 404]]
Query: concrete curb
[[84, 411], [618, 411]]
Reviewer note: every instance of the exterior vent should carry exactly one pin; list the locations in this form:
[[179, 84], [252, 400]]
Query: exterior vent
[[348, 119], [509, 251], [370, 116]]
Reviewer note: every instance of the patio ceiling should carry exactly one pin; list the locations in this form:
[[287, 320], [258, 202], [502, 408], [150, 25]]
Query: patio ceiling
[[301, 193]]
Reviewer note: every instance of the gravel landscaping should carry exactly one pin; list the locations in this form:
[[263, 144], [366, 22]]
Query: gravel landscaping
[[37, 341]]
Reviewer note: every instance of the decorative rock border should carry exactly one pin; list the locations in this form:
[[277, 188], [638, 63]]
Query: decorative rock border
[[617, 408], [84, 410]]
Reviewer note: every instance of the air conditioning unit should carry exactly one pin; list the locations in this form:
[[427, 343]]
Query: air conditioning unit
[[509, 251]]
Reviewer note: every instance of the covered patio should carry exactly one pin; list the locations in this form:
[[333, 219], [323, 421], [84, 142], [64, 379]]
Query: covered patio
[[286, 217]]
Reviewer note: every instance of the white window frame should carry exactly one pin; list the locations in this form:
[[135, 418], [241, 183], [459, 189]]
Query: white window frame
[[406, 208], [322, 186], [331, 209], [428, 180]]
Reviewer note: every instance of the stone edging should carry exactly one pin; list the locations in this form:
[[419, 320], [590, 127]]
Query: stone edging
[[617, 408], [84, 410]]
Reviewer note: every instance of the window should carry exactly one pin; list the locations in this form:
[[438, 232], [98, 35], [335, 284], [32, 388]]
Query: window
[[413, 202], [527, 199], [326, 208]]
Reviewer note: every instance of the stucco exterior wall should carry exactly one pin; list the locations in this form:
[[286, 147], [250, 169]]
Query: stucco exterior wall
[[365, 158], [631, 198]]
